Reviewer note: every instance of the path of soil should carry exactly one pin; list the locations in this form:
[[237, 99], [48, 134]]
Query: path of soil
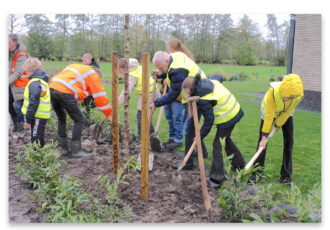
[[171, 200]]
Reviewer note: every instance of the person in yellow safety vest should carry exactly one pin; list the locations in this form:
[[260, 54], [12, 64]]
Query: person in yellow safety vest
[[277, 108], [36, 106], [135, 83], [177, 66], [73, 84], [18, 79], [219, 107]]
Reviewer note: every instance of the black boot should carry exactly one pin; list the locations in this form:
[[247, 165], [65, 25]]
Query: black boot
[[216, 184], [77, 151], [65, 149], [14, 124]]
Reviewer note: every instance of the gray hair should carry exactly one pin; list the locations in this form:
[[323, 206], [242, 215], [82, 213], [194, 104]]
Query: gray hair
[[159, 57], [13, 37], [88, 56]]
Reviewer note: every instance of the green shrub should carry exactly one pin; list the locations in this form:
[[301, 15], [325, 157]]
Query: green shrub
[[63, 199], [309, 210], [239, 205], [38, 165], [246, 55]]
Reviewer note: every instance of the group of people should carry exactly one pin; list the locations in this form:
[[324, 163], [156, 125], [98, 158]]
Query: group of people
[[31, 96]]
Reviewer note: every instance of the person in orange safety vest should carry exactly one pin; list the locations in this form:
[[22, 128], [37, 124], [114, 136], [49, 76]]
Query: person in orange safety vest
[[17, 81], [73, 84]]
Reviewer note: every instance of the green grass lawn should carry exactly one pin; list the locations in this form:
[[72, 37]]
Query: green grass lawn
[[307, 125]]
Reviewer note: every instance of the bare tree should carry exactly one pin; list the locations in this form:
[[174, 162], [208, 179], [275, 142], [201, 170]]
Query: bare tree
[[14, 23]]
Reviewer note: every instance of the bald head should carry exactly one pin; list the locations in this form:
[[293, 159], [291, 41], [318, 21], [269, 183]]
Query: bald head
[[161, 61]]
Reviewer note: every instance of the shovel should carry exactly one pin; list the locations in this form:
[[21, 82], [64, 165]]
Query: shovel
[[206, 198], [256, 155], [184, 162], [154, 141]]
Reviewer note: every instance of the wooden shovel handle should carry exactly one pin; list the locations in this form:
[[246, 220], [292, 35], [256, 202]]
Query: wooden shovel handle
[[206, 198], [184, 162], [160, 112], [256, 155]]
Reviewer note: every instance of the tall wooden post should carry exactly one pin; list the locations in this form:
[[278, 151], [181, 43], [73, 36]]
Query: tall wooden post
[[126, 93], [115, 126], [145, 127]]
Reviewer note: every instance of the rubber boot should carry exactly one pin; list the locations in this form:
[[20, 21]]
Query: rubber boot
[[20, 133], [14, 127], [77, 151], [65, 149]]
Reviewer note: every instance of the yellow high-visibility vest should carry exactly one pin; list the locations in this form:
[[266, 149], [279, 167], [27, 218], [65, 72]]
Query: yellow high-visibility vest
[[43, 111], [182, 61], [137, 74], [227, 106], [279, 103]]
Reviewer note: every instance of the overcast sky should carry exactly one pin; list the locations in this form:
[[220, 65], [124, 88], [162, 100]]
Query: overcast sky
[[260, 19]]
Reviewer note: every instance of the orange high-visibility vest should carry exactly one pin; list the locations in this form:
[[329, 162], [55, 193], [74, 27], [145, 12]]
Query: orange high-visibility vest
[[23, 80], [81, 81]]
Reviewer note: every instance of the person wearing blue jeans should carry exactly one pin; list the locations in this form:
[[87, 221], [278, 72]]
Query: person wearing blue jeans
[[174, 117]]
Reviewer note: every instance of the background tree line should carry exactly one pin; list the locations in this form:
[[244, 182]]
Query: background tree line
[[212, 38]]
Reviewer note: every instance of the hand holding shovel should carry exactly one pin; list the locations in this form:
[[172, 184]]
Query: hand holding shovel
[[256, 155]]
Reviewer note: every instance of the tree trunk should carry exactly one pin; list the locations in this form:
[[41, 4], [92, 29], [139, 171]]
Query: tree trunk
[[126, 93]]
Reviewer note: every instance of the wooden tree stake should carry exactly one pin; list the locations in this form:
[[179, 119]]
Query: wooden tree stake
[[126, 93], [145, 126], [115, 126]]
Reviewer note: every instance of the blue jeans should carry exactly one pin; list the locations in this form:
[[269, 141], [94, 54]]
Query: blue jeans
[[174, 117], [18, 105]]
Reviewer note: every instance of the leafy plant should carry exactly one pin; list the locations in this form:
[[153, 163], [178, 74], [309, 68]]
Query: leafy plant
[[237, 202], [309, 210], [38, 165], [63, 199]]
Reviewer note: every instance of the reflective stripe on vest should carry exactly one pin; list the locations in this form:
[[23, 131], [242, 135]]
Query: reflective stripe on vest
[[79, 78], [227, 106], [24, 79], [105, 107], [182, 61], [95, 95], [43, 110], [137, 74], [279, 103]]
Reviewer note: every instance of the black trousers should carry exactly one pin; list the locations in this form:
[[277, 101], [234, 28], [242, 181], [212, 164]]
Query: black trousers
[[66, 103], [238, 162], [138, 118], [190, 136], [287, 129], [12, 112], [38, 131]]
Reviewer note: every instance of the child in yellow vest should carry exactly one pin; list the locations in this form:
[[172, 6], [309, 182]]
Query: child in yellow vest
[[277, 107], [36, 106]]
